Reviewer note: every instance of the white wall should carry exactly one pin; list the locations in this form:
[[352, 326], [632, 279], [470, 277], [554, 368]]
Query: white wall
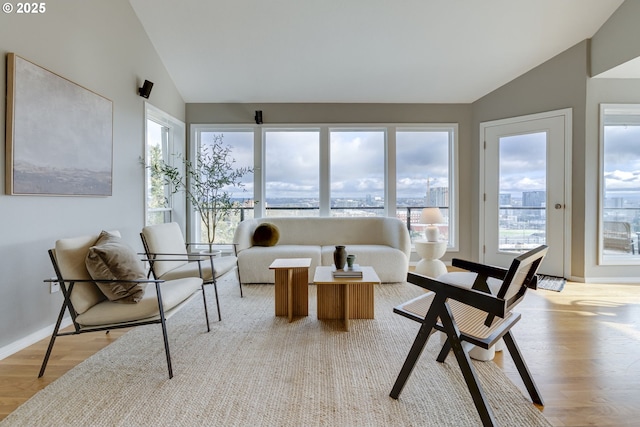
[[99, 44]]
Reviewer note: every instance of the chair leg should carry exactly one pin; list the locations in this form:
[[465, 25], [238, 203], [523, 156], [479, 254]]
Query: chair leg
[[239, 282], [164, 330], [426, 330], [523, 370], [235, 253], [469, 374], [206, 312], [215, 290], [52, 340], [446, 348]]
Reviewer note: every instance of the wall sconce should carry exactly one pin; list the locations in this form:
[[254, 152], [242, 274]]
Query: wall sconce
[[258, 117], [145, 90], [431, 216]]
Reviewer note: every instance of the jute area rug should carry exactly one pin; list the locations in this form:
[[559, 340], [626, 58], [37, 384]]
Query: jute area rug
[[255, 369]]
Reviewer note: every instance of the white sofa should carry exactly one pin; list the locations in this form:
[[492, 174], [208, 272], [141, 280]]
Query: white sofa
[[380, 242]]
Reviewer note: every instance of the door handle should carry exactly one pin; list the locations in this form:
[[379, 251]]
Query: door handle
[[558, 206]]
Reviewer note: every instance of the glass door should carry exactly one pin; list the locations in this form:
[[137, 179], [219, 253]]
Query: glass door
[[525, 191]]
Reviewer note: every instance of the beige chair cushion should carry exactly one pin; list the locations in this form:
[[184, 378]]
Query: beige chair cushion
[[166, 239], [71, 254], [112, 259], [174, 294], [222, 265]]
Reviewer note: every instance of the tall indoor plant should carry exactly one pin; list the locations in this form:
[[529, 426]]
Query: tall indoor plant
[[206, 182]]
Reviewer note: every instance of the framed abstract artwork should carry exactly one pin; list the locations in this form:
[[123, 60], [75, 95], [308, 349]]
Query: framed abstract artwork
[[59, 135]]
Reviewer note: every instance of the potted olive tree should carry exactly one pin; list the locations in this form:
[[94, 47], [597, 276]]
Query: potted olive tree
[[207, 182]]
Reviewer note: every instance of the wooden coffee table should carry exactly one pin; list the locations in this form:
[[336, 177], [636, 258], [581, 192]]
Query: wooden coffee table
[[291, 286], [344, 297]]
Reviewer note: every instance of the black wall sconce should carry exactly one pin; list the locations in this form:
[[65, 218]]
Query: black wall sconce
[[145, 90], [258, 117]]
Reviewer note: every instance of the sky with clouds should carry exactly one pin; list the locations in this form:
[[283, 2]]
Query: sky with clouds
[[622, 158], [357, 162]]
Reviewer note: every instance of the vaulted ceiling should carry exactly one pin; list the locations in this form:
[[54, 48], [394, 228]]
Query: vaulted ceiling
[[404, 51]]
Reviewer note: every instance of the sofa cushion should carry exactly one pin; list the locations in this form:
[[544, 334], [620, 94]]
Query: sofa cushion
[[391, 264], [254, 262], [266, 234], [112, 259]]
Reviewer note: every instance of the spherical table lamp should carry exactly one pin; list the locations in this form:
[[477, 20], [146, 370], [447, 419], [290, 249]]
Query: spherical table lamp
[[430, 217]]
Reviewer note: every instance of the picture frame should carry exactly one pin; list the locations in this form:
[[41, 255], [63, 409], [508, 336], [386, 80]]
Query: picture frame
[[59, 135]]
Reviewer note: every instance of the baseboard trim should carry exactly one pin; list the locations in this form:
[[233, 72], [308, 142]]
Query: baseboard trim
[[31, 339], [606, 280], [613, 280]]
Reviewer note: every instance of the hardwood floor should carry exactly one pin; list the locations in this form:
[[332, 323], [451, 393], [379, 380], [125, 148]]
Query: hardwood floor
[[582, 346]]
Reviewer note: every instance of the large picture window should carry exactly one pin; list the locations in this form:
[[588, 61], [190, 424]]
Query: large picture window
[[341, 170], [620, 178]]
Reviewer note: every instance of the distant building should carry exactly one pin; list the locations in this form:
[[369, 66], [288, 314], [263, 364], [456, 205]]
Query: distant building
[[437, 197], [614, 202], [505, 199], [534, 198]]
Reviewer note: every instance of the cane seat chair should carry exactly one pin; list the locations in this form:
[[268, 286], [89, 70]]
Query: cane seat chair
[[472, 316], [91, 309]]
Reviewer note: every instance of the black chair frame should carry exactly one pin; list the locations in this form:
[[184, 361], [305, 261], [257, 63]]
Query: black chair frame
[[66, 287], [439, 317]]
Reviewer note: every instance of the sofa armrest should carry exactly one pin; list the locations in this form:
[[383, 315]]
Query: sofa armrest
[[396, 235], [244, 235]]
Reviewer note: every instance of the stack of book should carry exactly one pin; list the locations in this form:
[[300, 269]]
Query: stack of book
[[354, 271]]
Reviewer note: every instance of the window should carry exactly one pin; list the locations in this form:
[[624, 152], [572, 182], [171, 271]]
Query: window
[[240, 142], [357, 172], [292, 172], [330, 170], [620, 184], [425, 177], [164, 136]]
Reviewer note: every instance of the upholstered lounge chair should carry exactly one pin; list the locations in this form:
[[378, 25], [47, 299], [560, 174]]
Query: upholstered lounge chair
[[168, 256], [106, 301], [472, 317]]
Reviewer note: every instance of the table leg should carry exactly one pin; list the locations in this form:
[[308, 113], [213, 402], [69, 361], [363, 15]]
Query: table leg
[[346, 306], [290, 294]]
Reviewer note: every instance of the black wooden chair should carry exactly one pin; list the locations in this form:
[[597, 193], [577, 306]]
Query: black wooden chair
[[472, 316]]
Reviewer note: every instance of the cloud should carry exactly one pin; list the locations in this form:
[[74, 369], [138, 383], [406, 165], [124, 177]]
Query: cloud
[[357, 162], [619, 180]]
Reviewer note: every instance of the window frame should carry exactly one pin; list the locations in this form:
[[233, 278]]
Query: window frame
[[176, 142], [632, 109], [390, 174]]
